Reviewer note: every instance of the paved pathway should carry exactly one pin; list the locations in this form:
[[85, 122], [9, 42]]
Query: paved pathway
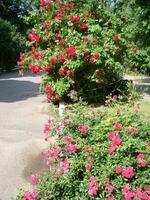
[[21, 137]]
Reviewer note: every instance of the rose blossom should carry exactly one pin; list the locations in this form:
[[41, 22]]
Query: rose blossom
[[27, 196], [119, 169], [140, 156], [143, 163], [34, 193], [128, 172], [118, 126], [110, 188], [88, 167], [68, 139], [83, 129], [112, 148], [110, 198], [71, 148], [34, 179]]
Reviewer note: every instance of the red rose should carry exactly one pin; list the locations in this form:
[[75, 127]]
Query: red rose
[[116, 39], [71, 51], [48, 69], [98, 82], [97, 55], [70, 5], [83, 26], [53, 60], [85, 39], [57, 36], [62, 42], [135, 50], [69, 73], [72, 18], [94, 40]]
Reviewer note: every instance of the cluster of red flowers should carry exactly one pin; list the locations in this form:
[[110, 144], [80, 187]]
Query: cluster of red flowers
[[45, 3], [33, 37], [74, 19]]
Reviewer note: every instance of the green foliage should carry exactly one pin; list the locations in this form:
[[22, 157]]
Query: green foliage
[[139, 61], [11, 43]]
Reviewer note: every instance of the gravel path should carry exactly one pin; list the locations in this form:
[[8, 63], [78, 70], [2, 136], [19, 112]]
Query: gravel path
[[21, 117]]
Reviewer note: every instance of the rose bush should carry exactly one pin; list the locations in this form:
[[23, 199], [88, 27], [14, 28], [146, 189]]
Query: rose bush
[[78, 45], [102, 154]]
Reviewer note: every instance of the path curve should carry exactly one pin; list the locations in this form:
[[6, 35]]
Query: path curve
[[21, 137]]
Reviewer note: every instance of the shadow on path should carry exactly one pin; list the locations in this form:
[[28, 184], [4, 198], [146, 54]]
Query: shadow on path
[[17, 90]]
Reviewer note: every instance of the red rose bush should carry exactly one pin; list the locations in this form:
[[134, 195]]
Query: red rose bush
[[77, 46]]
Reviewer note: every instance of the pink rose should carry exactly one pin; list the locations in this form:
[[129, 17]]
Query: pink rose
[[119, 169], [118, 126], [68, 139], [34, 179], [112, 149], [110, 188], [35, 193], [143, 163], [110, 198], [27, 196], [128, 172], [83, 129], [140, 156], [71, 148], [88, 167]]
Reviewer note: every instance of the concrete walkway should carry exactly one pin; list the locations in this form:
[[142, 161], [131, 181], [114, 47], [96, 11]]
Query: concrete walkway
[[21, 139]]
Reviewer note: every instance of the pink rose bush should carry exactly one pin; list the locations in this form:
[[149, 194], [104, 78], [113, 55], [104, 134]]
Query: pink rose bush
[[83, 167]]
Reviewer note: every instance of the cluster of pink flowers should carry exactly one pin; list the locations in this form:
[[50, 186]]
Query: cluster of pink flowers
[[93, 186], [83, 129], [127, 172], [68, 139], [129, 195], [115, 142], [118, 126], [33, 195], [88, 167], [65, 165], [71, 148], [132, 130], [141, 161], [34, 179], [46, 129]]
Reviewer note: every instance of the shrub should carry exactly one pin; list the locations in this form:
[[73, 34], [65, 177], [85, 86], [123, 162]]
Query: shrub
[[102, 154], [77, 45], [139, 60]]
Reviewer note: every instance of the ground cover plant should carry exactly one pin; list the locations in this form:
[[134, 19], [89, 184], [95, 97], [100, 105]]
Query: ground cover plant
[[100, 154]]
